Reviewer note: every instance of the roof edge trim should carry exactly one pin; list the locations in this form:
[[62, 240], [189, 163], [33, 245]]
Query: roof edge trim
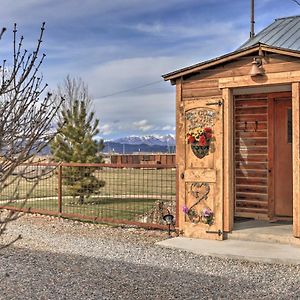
[[227, 57]]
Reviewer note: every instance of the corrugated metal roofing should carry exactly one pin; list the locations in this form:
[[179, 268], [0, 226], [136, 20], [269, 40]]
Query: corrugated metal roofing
[[282, 33]]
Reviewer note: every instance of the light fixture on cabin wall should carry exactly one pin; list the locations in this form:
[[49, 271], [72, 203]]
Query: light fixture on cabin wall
[[257, 65], [257, 68]]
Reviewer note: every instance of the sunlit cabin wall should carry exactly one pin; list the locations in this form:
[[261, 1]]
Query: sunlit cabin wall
[[211, 85]]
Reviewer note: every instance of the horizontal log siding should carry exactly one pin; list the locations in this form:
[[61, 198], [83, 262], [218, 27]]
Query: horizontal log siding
[[205, 84], [272, 63], [251, 156], [193, 90]]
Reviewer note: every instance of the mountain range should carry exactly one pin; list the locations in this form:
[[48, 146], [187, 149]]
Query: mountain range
[[148, 143]]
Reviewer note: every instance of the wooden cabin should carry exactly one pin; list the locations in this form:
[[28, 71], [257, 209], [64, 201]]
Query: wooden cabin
[[238, 126]]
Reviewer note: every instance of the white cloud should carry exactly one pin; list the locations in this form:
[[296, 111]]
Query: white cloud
[[106, 129], [168, 128], [119, 75], [63, 11], [186, 30], [131, 113], [143, 125]]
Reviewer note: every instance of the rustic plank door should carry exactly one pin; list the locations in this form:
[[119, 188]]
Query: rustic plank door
[[283, 183], [200, 177]]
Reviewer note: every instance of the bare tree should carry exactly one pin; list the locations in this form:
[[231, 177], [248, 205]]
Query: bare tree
[[71, 90], [26, 114]]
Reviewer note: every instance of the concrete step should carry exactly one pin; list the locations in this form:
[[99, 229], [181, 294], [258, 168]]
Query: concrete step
[[264, 231], [263, 237]]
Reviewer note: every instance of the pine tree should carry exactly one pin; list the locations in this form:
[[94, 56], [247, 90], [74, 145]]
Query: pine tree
[[75, 143]]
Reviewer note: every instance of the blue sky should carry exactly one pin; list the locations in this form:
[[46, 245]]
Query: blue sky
[[118, 45]]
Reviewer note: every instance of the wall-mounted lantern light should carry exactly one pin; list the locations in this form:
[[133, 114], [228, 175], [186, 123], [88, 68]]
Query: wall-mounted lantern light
[[257, 68]]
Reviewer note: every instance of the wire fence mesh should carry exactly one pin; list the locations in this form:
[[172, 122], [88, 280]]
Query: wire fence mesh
[[130, 194]]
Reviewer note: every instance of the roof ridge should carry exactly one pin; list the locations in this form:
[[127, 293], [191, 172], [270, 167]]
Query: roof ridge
[[290, 17]]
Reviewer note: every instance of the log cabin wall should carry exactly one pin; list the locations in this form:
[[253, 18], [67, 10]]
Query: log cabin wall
[[251, 156], [205, 84]]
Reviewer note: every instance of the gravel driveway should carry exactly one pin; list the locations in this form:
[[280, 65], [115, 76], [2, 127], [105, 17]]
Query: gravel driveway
[[60, 259]]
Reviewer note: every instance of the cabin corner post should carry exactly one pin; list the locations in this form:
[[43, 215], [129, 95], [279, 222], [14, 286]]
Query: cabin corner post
[[296, 157], [228, 196], [180, 153]]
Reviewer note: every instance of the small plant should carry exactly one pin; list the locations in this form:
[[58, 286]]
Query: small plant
[[192, 214], [200, 139], [207, 216], [199, 136]]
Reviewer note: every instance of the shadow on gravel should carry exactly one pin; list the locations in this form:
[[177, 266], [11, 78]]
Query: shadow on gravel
[[26, 274]]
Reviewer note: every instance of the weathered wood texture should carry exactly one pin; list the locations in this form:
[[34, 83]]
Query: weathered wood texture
[[180, 154], [283, 189], [246, 140], [228, 161], [296, 157], [251, 155], [206, 83], [193, 170]]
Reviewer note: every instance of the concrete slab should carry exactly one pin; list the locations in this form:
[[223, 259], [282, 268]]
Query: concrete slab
[[264, 231], [237, 249]]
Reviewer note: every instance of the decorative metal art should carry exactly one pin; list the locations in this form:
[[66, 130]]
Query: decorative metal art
[[200, 191], [197, 191]]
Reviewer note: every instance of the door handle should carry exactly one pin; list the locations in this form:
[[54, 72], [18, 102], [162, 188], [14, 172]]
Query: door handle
[[182, 175]]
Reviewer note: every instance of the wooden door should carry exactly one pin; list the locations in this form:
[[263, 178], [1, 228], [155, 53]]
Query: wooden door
[[283, 185], [200, 179]]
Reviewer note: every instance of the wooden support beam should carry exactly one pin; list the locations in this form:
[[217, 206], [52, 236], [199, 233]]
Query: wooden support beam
[[292, 53], [228, 160], [267, 79], [296, 157], [180, 153]]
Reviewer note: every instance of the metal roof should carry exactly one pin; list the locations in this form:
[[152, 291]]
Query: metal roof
[[282, 36], [283, 33]]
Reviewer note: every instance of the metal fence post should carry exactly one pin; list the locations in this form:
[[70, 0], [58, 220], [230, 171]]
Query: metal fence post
[[59, 193]]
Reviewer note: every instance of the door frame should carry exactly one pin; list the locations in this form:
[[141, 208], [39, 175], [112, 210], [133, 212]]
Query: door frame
[[227, 96], [271, 97], [229, 160]]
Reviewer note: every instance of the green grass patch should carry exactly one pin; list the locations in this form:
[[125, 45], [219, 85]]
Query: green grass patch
[[115, 208]]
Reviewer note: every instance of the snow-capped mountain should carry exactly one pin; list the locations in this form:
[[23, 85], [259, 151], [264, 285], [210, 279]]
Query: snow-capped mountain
[[161, 140], [148, 143]]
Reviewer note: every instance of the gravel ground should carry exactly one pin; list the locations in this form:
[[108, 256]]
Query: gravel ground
[[61, 259]]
